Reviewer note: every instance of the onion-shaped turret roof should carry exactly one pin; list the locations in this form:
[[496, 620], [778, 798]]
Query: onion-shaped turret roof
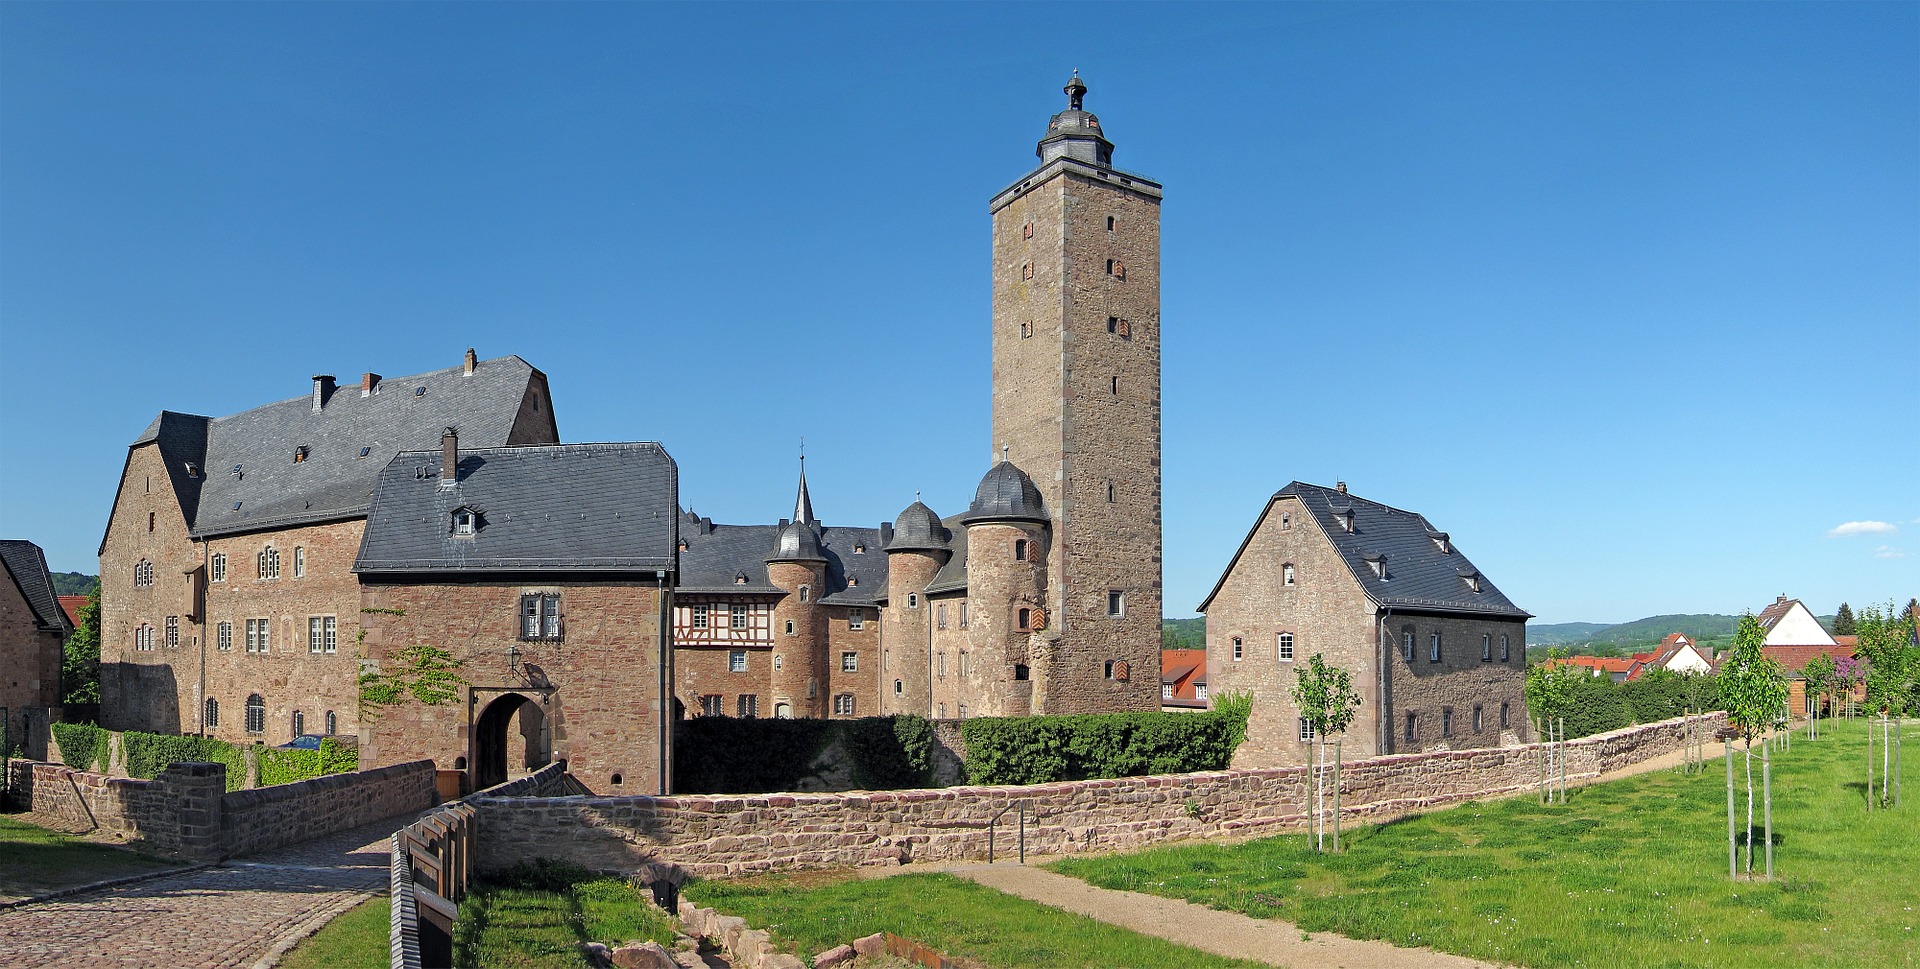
[[1005, 494], [918, 529]]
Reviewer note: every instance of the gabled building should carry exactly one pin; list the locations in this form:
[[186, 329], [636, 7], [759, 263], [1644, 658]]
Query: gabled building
[[1788, 622], [33, 630], [228, 603], [1183, 679], [1675, 654], [1437, 652]]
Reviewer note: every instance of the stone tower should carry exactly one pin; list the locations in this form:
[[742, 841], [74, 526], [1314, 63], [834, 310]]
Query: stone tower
[[1076, 404], [798, 565]]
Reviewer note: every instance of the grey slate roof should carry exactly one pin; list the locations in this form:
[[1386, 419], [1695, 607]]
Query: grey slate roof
[[334, 481], [918, 529], [952, 576], [1005, 494], [716, 554], [547, 508], [1419, 577], [28, 564]]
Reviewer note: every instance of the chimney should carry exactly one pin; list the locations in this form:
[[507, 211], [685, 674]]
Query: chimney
[[470, 362], [449, 455], [886, 534], [368, 381], [322, 389], [1340, 486]]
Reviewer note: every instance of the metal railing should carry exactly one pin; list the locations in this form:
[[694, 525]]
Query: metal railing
[[992, 823]]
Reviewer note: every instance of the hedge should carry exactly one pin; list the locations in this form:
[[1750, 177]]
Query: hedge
[[1040, 750], [83, 746], [278, 766], [149, 753], [1597, 704], [727, 755]]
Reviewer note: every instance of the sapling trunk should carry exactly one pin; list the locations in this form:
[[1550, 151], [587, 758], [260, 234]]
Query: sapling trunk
[[1766, 795], [1336, 797], [1749, 808], [1733, 857]]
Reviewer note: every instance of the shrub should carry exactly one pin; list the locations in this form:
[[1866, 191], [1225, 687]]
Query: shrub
[[1039, 750], [149, 753], [82, 745]]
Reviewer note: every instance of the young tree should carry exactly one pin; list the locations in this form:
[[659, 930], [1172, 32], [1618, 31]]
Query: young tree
[[1550, 690], [1886, 642], [1848, 673], [80, 656], [1843, 624], [1755, 692], [1817, 677], [1327, 702]]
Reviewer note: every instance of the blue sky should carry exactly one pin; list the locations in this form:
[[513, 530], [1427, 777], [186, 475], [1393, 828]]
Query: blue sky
[[1626, 297]]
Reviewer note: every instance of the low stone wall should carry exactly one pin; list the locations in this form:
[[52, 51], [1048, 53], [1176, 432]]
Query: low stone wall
[[726, 835], [187, 812]]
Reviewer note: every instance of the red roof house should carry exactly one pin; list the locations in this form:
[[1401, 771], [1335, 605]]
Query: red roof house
[[1183, 679]]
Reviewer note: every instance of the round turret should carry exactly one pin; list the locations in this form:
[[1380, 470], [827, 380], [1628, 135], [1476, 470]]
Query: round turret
[[918, 529], [797, 542], [1005, 494]]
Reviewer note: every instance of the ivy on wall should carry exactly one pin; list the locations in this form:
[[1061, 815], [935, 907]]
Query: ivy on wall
[[426, 673], [87, 747]]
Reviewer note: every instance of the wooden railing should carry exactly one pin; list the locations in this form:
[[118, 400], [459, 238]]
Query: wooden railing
[[432, 866]]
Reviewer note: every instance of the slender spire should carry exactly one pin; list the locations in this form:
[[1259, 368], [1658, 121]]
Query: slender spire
[[802, 504]]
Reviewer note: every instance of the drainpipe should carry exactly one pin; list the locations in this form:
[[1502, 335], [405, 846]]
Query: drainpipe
[[665, 597], [1380, 644], [201, 717]]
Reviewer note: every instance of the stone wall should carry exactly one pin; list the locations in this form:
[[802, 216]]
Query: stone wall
[[269, 817], [726, 835]]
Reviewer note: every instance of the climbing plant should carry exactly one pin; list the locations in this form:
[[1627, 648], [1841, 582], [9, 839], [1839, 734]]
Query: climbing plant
[[426, 673]]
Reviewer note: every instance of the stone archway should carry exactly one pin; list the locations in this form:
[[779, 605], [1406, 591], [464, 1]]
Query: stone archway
[[496, 754]]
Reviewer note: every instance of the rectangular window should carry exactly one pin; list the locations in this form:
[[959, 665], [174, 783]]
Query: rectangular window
[[939, 711], [218, 568], [856, 619], [1413, 722], [940, 616], [843, 705], [299, 562], [1199, 691], [941, 669], [963, 711], [1486, 647], [1306, 730], [1239, 650], [1433, 647], [332, 635], [540, 616], [849, 662], [1286, 574], [1505, 720], [737, 618], [963, 662], [737, 661], [315, 638], [1406, 644], [1506, 652], [1166, 691], [749, 705], [710, 705], [1477, 718], [223, 637], [963, 614], [173, 632], [1116, 603], [1446, 722], [1284, 647], [259, 635], [699, 611]]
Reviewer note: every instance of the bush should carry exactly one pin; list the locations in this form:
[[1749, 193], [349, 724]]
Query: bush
[[149, 753], [725, 755], [82, 745], [1039, 750]]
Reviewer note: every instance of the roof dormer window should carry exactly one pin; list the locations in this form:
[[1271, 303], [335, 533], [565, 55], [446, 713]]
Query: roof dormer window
[[1440, 542], [193, 470], [299, 454], [1378, 563], [739, 578], [466, 521], [236, 471], [1472, 579]]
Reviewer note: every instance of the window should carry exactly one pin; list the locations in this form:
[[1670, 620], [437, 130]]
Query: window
[[1020, 671], [256, 714], [1506, 653], [1286, 522], [1283, 647], [940, 616], [1446, 722], [217, 567], [299, 454], [151, 519], [737, 618], [1109, 223], [269, 563], [963, 662], [940, 711], [1199, 691], [1379, 566], [843, 704], [1505, 717], [779, 662], [1026, 330], [963, 614], [299, 562], [940, 665], [1109, 492], [913, 600], [1286, 574], [173, 632], [856, 619], [1239, 650], [1306, 730], [1116, 603], [748, 705], [211, 718], [1113, 324], [737, 661], [963, 711], [143, 637], [813, 687], [699, 611], [1433, 647], [223, 637], [259, 632], [1113, 385], [1026, 232], [896, 687], [1019, 550], [1026, 271], [321, 634], [1486, 650], [789, 627], [333, 724], [710, 705], [849, 662], [1413, 722], [806, 593], [1406, 643], [299, 723], [1476, 718], [1023, 620], [1166, 691], [540, 616], [142, 574]]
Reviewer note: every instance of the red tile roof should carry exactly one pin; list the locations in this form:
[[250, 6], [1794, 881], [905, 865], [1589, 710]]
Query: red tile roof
[[1182, 669], [1793, 659], [1601, 664], [71, 606]]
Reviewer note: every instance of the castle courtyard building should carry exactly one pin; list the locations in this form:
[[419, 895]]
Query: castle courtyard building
[[33, 631]]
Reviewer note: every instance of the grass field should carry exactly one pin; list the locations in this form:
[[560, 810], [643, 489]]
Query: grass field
[[355, 940], [541, 915], [809, 913], [34, 860], [1630, 873]]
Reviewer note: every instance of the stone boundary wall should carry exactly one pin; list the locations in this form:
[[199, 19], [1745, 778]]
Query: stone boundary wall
[[718, 835], [187, 813]]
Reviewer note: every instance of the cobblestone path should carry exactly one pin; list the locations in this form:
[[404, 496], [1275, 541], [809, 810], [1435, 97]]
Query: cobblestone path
[[234, 914]]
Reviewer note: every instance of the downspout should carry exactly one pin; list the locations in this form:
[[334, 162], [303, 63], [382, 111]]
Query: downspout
[[202, 715], [665, 597], [1386, 721]]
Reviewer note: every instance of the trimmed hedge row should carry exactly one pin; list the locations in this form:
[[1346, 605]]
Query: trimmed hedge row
[[149, 753], [87, 747], [279, 766], [1597, 704], [727, 755], [82, 745], [1041, 750]]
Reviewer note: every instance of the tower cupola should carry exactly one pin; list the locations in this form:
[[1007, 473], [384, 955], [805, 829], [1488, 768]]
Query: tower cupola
[[918, 529], [1006, 494], [1075, 133]]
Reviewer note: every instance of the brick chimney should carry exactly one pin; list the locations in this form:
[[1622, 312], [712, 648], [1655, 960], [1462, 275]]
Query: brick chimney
[[368, 381], [1340, 486], [471, 361], [449, 455], [322, 389]]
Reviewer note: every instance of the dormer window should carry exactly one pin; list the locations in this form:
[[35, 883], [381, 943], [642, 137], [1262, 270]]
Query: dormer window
[[193, 470], [1440, 542], [853, 581], [1472, 579], [466, 521], [1346, 520], [859, 550], [366, 451], [299, 454], [236, 471], [739, 578], [1378, 563]]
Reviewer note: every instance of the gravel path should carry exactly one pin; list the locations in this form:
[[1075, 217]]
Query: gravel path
[[244, 912]]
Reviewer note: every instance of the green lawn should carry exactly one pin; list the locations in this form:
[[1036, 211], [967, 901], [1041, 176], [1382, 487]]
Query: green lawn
[[541, 915], [1630, 873], [809, 913], [35, 860], [355, 940]]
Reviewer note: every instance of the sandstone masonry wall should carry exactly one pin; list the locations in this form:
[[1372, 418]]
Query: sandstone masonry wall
[[256, 820], [726, 835]]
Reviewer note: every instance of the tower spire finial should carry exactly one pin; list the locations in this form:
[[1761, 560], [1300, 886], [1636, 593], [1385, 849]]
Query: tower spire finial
[[1075, 89], [802, 502]]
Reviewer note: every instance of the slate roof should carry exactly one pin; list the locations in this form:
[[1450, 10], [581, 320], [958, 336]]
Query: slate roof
[[1419, 576], [1776, 611], [548, 508], [334, 481], [28, 565], [716, 554], [952, 576], [1006, 494]]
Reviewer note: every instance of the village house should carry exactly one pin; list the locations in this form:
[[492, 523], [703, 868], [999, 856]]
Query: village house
[[33, 630], [1183, 679], [1436, 651]]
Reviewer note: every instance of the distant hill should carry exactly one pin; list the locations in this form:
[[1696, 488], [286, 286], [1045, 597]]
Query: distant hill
[[1627, 637], [1559, 633], [74, 584], [1183, 633]]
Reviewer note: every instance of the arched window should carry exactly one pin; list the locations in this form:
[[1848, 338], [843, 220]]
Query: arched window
[[256, 714], [1019, 550], [269, 562], [913, 600], [333, 724], [1239, 650], [789, 627], [1406, 643], [1486, 650], [142, 574], [806, 593], [211, 718], [896, 687]]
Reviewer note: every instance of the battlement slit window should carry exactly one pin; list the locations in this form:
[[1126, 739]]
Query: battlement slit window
[[737, 661], [699, 612], [849, 662], [1239, 650], [1109, 223], [211, 718], [223, 637], [1283, 647], [217, 567], [1109, 492], [150, 521], [1433, 647], [540, 616], [256, 714], [1486, 649], [1116, 603], [1113, 385]]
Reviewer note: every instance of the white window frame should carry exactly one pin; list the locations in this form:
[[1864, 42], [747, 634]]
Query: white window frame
[[539, 617], [699, 613], [314, 636], [173, 632], [843, 704], [737, 616], [1406, 644], [1199, 691], [1286, 575], [849, 662], [1166, 691], [217, 567], [737, 661], [1306, 730], [1433, 646], [1239, 649], [1283, 647], [223, 637], [1116, 603], [856, 618], [1486, 647], [299, 561]]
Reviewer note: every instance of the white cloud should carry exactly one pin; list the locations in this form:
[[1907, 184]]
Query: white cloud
[[1862, 528], [1888, 552]]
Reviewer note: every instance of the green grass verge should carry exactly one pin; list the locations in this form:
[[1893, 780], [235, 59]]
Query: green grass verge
[[810, 913], [1629, 873], [542, 914], [36, 860], [355, 940]]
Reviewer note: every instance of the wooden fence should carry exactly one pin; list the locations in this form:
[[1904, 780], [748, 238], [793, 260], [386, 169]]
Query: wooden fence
[[432, 865]]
